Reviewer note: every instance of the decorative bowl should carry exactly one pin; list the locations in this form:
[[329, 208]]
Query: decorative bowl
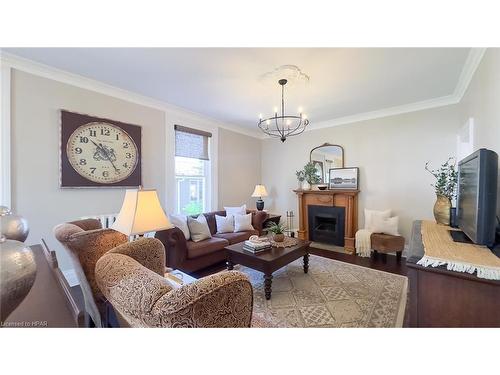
[[322, 187], [279, 237]]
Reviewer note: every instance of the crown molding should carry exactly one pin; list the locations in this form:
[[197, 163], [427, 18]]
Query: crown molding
[[59, 75], [470, 67], [386, 112]]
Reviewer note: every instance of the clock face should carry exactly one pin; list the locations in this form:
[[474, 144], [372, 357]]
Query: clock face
[[102, 152]]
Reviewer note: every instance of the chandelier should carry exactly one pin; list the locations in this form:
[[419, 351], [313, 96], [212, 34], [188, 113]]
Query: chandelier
[[281, 125]]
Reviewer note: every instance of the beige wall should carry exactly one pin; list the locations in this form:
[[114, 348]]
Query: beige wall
[[482, 102], [36, 194], [390, 152], [239, 168]]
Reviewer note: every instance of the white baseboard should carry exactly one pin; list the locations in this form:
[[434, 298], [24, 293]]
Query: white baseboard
[[71, 278]]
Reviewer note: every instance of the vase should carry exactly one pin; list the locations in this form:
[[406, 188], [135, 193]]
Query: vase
[[18, 274], [442, 209], [306, 185], [279, 237]]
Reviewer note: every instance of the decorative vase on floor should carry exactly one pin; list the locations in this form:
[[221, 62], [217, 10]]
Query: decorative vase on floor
[[442, 209]]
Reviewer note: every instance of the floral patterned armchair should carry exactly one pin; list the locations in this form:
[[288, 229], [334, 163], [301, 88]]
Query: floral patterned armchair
[[131, 277]]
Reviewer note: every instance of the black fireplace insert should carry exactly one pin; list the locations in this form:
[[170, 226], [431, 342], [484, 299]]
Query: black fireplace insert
[[326, 224]]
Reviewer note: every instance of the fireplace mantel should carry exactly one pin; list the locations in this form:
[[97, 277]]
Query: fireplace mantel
[[338, 198]]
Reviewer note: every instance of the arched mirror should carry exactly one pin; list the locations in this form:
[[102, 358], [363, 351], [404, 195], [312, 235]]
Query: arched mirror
[[325, 157]]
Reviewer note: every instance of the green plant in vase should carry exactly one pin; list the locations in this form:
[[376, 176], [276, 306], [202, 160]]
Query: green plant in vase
[[311, 174], [300, 177], [278, 231], [446, 189]]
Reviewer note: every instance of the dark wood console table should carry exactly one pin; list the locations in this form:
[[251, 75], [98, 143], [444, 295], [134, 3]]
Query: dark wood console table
[[442, 298], [49, 302]]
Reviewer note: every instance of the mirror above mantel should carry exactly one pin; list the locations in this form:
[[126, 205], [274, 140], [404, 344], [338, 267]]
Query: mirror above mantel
[[325, 157]]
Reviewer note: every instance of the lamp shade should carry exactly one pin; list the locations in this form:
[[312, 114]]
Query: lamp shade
[[260, 191], [141, 213]]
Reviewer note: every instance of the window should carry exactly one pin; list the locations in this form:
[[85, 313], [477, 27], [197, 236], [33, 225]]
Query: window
[[192, 170]]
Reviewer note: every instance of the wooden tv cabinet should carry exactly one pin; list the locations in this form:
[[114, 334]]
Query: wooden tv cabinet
[[442, 298]]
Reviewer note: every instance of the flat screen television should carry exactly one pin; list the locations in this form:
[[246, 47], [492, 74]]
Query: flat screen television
[[477, 197]]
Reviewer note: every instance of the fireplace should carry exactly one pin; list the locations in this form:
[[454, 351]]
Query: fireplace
[[335, 198], [326, 224]]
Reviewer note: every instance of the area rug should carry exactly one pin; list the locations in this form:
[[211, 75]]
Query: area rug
[[332, 294]]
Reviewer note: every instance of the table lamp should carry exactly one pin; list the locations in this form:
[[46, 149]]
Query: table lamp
[[260, 191], [141, 213]]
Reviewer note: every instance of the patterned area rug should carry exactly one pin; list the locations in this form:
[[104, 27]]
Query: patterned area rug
[[332, 294]]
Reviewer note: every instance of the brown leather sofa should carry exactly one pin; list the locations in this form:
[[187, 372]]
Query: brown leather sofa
[[189, 256]]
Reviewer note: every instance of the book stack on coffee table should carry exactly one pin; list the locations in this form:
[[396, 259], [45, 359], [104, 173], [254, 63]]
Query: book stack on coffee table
[[256, 246]]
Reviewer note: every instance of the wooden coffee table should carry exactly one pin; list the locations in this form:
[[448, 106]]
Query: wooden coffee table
[[268, 261]]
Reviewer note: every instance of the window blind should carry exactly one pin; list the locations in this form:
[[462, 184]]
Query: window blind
[[191, 143]]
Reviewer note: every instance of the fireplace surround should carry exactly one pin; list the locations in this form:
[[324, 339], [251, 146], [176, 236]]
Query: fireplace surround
[[346, 199]]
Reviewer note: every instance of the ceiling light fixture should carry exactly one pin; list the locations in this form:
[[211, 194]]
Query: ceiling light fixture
[[283, 126]]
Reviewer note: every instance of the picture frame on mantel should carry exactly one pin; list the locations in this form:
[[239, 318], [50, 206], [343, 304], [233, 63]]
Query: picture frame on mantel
[[343, 178]]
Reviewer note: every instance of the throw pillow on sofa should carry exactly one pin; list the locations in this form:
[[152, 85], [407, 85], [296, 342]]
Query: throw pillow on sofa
[[225, 224], [243, 223], [231, 211], [198, 228], [387, 226], [180, 221]]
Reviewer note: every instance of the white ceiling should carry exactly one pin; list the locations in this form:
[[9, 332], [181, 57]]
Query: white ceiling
[[225, 84]]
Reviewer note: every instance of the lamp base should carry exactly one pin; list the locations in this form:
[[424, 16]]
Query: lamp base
[[260, 205]]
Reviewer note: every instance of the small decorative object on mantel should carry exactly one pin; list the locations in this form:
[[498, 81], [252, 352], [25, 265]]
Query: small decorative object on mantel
[[13, 227], [278, 231], [301, 178], [445, 186], [97, 152], [344, 178]]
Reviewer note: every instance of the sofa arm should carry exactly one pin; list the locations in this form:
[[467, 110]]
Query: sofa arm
[[149, 252], [258, 218], [221, 300], [175, 244]]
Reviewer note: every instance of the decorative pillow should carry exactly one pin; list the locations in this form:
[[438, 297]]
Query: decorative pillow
[[198, 228], [180, 221], [242, 223], [387, 226], [225, 224], [380, 214], [231, 211]]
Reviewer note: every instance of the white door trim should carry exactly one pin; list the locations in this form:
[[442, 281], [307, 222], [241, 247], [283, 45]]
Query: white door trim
[[5, 136]]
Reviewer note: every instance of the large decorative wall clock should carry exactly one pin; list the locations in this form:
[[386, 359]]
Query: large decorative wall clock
[[97, 152]]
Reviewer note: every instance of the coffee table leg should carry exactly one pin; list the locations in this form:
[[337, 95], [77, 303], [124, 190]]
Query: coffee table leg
[[229, 265], [267, 285], [306, 262]]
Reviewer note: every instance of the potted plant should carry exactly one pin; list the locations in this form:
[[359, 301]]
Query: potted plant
[[445, 186], [300, 177], [310, 174], [278, 231]]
